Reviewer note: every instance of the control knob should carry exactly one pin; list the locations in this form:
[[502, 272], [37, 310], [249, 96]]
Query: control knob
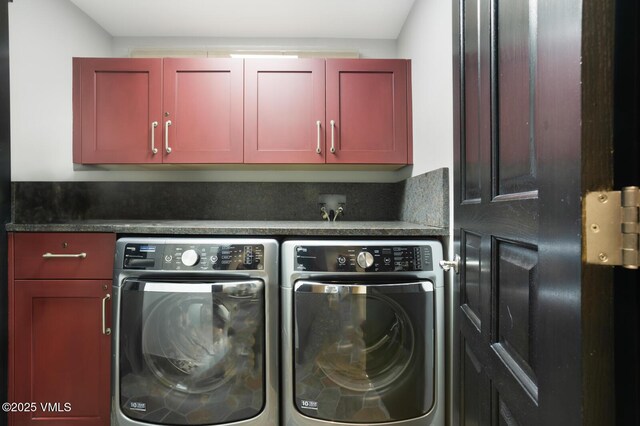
[[365, 259], [190, 257]]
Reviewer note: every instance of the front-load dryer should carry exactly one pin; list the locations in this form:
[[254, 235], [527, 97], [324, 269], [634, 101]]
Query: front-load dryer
[[195, 332], [362, 333]]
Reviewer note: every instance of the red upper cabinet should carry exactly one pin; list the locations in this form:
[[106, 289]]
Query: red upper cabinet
[[202, 117], [215, 110], [115, 103], [158, 110], [284, 111], [369, 104]]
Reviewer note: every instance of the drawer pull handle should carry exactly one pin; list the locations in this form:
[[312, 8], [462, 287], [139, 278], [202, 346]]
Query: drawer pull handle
[[105, 330], [64, 256]]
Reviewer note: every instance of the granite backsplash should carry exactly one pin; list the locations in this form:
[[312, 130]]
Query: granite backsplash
[[422, 199]]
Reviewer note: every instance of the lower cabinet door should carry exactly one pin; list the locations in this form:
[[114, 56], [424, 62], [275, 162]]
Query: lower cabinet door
[[60, 353]]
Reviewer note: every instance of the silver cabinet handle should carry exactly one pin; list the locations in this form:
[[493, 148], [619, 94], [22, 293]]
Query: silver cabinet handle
[[333, 138], [318, 149], [64, 256], [166, 136], [105, 330], [154, 150]]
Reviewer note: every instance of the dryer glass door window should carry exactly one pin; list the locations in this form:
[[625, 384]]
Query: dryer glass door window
[[191, 353], [364, 353]]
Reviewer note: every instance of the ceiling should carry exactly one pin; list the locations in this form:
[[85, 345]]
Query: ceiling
[[370, 19]]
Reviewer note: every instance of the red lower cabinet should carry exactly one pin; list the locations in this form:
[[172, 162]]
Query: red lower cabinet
[[59, 339]]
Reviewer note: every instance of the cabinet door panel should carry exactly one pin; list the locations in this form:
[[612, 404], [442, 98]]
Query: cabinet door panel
[[119, 101], [61, 357], [367, 100], [203, 99], [284, 100]]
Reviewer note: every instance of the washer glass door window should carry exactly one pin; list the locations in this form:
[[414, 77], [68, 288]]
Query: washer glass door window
[[364, 353], [191, 353]]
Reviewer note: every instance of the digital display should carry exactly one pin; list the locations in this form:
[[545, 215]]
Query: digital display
[[194, 257], [354, 258]]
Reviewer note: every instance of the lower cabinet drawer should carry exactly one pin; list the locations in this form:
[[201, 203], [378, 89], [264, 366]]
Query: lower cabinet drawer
[[63, 255]]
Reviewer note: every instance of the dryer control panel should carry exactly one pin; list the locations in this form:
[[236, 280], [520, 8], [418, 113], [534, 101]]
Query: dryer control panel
[[194, 257], [363, 258]]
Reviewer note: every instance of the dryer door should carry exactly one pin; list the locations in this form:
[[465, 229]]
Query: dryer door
[[364, 353], [191, 352]]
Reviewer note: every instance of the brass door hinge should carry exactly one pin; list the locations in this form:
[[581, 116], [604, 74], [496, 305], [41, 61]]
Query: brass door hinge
[[611, 227]]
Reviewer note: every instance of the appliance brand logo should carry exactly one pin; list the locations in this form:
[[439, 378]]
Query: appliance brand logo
[[309, 405], [138, 406]]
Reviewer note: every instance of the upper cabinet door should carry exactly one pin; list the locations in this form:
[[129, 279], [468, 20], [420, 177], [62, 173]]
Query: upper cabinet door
[[116, 103], [284, 111], [202, 117], [367, 101]]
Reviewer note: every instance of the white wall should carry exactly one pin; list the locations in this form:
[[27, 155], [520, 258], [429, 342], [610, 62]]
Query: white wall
[[43, 37], [426, 40]]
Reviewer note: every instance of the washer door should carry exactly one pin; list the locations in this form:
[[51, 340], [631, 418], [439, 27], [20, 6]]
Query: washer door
[[191, 353], [364, 353]]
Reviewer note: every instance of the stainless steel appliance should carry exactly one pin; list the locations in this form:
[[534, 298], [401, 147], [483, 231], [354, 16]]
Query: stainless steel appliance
[[362, 333], [195, 326]]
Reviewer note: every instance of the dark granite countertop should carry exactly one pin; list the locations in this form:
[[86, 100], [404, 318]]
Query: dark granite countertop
[[228, 227]]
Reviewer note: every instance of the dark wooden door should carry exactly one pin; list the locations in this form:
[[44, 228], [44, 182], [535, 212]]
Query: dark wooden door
[[284, 111], [367, 101], [532, 324], [202, 99], [116, 103]]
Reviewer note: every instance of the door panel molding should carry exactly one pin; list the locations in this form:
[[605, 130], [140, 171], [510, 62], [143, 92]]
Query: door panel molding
[[470, 297]]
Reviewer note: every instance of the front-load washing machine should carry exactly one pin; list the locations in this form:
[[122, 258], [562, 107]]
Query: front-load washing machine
[[195, 332], [362, 333]]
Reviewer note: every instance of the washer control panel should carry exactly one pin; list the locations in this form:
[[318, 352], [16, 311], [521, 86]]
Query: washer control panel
[[363, 258], [194, 257]]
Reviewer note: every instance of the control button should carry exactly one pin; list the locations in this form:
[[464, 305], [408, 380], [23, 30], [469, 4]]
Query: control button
[[168, 258], [342, 260], [190, 258], [387, 261], [364, 259], [213, 259]]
